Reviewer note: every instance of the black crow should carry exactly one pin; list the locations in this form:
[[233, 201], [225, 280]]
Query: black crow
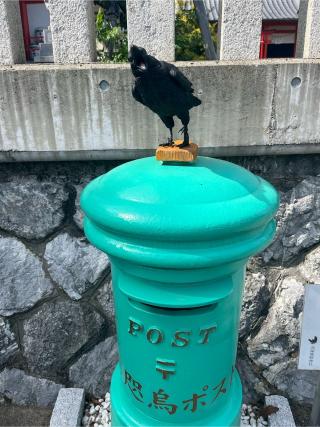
[[164, 89]]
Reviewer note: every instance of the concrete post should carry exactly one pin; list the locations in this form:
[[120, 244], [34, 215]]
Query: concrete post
[[73, 31], [151, 25], [11, 39], [239, 29], [68, 409], [308, 36]]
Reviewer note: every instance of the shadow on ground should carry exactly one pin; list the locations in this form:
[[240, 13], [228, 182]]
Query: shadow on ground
[[13, 415]]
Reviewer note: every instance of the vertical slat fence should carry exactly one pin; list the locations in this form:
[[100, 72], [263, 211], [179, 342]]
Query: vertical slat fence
[[73, 31], [11, 39], [151, 25], [239, 28], [308, 37]]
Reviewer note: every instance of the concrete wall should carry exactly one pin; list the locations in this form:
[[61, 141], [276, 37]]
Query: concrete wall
[[87, 111]]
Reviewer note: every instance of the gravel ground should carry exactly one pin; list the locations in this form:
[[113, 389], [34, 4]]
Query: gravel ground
[[251, 417], [98, 414]]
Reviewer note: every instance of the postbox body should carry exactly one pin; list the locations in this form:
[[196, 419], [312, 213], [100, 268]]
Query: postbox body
[[178, 237]]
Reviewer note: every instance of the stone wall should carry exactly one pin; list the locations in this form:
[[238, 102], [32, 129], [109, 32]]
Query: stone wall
[[56, 307]]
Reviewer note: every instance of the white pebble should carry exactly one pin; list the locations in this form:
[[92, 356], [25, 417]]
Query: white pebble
[[253, 422], [98, 414]]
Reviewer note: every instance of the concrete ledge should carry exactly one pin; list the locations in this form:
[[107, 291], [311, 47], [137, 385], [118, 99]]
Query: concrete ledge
[[80, 112], [68, 409], [134, 153]]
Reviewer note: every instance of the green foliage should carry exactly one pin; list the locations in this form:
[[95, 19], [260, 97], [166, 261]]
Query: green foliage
[[113, 45], [189, 44], [113, 41]]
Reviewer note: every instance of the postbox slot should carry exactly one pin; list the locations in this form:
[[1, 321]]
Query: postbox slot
[[171, 310], [180, 308], [177, 295]]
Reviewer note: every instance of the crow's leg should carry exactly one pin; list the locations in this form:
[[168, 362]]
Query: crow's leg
[[185, 143], [185, 118], [168, 121], [170, 142]]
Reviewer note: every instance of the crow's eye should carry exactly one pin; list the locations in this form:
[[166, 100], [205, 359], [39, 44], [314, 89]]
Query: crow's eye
[[142, 65], [130, 59]]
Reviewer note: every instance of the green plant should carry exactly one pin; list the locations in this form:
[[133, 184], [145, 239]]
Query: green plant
[[112, 41], [189, 44], [113, 45]]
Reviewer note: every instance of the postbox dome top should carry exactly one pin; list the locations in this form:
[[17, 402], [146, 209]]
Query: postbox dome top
[[144, 209]]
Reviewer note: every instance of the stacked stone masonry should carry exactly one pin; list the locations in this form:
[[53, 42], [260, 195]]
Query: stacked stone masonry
[[56, 308]]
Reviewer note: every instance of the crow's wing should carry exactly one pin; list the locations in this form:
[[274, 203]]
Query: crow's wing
[[136, 94], [179, 77]]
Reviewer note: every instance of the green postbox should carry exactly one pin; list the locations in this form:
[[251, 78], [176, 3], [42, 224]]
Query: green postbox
[[178, 237]]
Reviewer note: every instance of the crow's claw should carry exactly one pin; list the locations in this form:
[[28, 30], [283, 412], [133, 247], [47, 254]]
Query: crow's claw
[[170, 143], [182, 130], [184, 144]]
